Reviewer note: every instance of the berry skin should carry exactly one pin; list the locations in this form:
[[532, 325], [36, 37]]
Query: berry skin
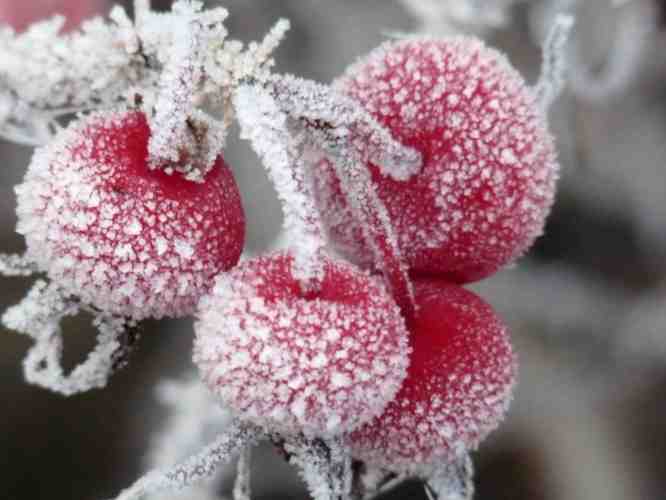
[[458, 386], [489, 167], [20, 14], [320, 364], [128, 240]]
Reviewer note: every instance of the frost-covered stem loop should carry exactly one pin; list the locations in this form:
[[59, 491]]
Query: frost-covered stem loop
[[198, 467], [554, 65], [266, 126], [452, 480], [325, 466], [39, 316]]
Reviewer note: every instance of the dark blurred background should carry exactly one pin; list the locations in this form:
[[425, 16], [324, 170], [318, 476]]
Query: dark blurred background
[[586, 307]]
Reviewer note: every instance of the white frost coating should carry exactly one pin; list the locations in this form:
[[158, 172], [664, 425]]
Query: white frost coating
[[553, 67], [265, 126], [16, 265], [324, 465], [319, 107], [452, 481], [39, 315], [178, 82], [196, 468]]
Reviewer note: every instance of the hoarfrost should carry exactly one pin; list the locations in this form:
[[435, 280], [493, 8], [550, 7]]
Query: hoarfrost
[[452, 481], [242, 490], [16, 265]]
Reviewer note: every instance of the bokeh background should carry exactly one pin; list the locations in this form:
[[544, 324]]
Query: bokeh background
[[587, 307]]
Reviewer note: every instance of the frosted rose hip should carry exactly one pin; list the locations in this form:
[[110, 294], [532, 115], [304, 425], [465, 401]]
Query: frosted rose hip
[[126, 239], [320, 364], [458, 385], [489, 171]]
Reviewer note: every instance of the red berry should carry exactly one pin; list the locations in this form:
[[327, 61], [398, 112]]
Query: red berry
[[124, 238], [20, 14], [321, 363], [489, 170], [458, 385]]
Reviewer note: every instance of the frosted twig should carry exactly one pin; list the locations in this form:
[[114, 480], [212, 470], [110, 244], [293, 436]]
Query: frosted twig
[[198, 467], [625, 56], [178, 82], [16, 265], [242, 489], [325, 466], [452, 481], [39, 316], [265, 126], [318, 106], [384, 487], [553, 67]]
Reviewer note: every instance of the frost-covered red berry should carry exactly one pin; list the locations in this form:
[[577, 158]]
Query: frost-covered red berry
[[458, 385], [489, 167], [321, 363], [127, 239]]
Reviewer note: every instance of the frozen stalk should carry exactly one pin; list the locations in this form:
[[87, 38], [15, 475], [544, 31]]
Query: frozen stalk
[[265, 125], [170, 134], [319, 106], [554, 65], [198, 467], [345, 133], [325, 466], [39, 316], [452, 481], [242, 489]]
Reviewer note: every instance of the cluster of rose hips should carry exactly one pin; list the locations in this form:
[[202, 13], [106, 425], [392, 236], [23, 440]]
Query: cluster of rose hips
[[408, 388]]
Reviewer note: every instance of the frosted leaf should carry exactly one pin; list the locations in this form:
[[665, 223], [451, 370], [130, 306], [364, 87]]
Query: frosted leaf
[[39, 316], [242, 490], [196, 468], [338, 117], [553, 67], [452, 481], [16, 265], [265, 126], [324, 465]]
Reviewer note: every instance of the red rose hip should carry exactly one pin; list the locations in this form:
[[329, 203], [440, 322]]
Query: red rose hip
[[458, 386], [124, 238], [489, 167], [320, 363]]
